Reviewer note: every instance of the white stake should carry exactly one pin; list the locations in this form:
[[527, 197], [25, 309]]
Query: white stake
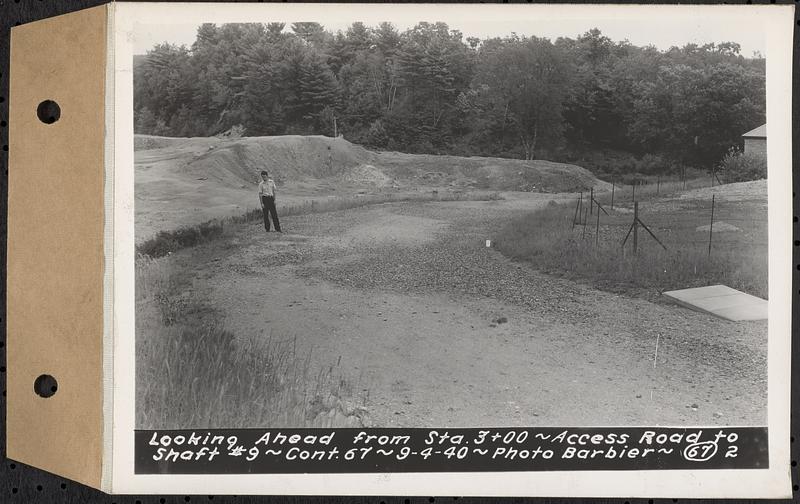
[[655, 357]]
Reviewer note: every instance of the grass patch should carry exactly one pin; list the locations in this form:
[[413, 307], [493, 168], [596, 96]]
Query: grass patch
[[650, 187], [193, 373], [548, 240], [167, 242]]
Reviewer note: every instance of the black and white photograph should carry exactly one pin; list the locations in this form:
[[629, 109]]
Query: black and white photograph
[[443, 221]]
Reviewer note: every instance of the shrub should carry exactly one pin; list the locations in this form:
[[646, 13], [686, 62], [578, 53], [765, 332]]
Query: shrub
[[653, 164], [377, 136], [743, 166], [165, 242]]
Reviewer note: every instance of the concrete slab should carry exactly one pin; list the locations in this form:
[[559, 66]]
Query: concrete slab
[[721, 301]]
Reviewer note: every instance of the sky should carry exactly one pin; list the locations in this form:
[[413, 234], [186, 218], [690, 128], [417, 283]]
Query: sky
[[663, 31]]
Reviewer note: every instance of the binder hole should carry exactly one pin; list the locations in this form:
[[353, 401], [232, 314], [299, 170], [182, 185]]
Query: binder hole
[[45, 386], [48, 112]]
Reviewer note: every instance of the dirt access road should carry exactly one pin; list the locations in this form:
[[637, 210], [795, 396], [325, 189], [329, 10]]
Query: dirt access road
[[434, 329]]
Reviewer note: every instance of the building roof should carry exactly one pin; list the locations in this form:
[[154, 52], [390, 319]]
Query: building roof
[[760, 132]]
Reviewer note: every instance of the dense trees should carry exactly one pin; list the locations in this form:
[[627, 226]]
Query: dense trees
[[519, 87], [428, 89]]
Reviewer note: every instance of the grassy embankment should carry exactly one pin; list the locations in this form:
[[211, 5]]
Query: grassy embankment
[[169, 241], [738, 258], [193, 373]]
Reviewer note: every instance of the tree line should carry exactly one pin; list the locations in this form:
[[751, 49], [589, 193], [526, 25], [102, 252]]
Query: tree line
[[429, 89]]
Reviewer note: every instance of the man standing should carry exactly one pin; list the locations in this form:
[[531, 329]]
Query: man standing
[[266, 195]]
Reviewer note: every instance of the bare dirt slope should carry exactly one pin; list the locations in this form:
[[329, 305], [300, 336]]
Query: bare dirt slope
[[755, 190], [186, 181], [433, 328]]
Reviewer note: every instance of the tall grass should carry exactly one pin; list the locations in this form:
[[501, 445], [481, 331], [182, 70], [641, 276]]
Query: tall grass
[[166, 242], [193, 373], [547, 239], [652, 187]]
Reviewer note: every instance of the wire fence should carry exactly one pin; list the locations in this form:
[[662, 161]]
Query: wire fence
[[654, 242], [642, 221]]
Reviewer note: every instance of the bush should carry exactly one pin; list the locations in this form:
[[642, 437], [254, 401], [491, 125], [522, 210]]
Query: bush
[[607, 164], [655, 164], [377, 136], [166, 242], [743, 166]]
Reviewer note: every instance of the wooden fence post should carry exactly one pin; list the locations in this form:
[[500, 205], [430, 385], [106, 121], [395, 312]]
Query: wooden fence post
[[597, 228], [585, 219], [633, 188], [577, 209], [591, 200], [612, 194], [711, 227], [635, 226]]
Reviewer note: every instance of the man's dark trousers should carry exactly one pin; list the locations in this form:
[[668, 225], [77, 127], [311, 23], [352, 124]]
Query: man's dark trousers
[[268, 203]]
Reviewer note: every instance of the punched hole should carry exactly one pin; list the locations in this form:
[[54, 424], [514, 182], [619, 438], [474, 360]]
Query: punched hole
[[45, 386], [48, 112]]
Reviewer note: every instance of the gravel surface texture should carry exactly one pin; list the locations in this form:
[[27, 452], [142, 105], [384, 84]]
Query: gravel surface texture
[[459, 263], [434, 328]]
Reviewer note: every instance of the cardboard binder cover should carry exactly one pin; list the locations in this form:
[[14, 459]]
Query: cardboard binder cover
[[55, 244]]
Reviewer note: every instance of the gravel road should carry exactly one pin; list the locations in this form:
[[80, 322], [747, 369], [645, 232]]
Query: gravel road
[[434, 328]]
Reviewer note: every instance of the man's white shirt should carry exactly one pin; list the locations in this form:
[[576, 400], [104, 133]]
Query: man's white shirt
[[267, 188]]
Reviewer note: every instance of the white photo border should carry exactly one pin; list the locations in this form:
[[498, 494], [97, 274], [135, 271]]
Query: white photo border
[[777, 23]]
